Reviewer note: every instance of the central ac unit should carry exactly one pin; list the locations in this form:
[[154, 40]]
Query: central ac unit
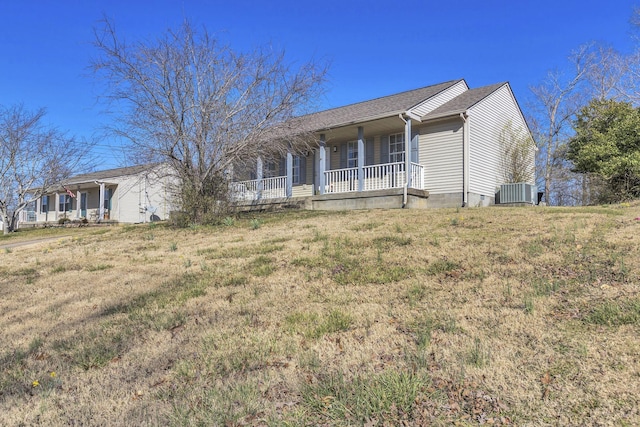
[[519, 192]]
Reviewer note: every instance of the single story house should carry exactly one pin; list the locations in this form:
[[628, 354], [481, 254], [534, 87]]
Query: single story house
[[437, 146], [129, 195]]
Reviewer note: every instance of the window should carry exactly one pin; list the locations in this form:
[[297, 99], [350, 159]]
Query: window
[[44, 204], [352, 154], [64, 203], [396, 148], [296, 169], [31, 211], [270, 170], [107, 198]]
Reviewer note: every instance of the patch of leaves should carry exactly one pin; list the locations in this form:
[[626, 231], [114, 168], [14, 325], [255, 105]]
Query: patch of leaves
[[459, 402]]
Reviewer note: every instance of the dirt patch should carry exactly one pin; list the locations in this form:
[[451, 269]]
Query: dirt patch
[[31, 242]]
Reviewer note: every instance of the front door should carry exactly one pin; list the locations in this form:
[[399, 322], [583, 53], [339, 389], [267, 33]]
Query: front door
[[83, 205]]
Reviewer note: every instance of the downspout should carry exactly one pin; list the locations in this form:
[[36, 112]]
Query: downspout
[[406, 153], [465, 158]]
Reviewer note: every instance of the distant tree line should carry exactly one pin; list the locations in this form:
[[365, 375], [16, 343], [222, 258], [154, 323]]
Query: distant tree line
[[585, 122]]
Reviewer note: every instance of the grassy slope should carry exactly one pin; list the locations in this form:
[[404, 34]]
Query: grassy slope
[[515, 316]]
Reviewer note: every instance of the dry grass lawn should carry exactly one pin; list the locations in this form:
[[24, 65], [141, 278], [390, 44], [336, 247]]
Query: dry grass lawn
[[520, 316]]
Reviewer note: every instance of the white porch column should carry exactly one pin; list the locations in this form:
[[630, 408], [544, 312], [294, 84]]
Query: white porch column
[[101, 202], [360, 158], [322, 160], [407, 151], [77, 204], [259, 176], [289, 174], [56, 202]]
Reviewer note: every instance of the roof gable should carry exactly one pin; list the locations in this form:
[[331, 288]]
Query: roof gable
[[463, 102], [443, 97]]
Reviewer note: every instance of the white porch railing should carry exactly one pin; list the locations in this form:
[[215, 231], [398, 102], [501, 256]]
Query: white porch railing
[[381, 177], [341, 180], [271, 188], [417, 176], [376, 177]]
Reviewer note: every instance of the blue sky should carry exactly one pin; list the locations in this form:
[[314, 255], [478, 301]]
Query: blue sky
[[375, 48]]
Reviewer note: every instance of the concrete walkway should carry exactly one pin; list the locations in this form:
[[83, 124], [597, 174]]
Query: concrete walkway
[[31, 242]]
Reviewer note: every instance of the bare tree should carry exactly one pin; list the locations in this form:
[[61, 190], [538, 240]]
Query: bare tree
[[32, 158], [632, 82], [189, 101], [608, 73], [556, 101], [517, 155]]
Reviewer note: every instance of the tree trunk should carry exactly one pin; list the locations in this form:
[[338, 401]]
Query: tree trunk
[[547, 188], [14, 222]]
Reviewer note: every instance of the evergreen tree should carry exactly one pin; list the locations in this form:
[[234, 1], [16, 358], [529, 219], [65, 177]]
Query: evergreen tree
[[607, 144]]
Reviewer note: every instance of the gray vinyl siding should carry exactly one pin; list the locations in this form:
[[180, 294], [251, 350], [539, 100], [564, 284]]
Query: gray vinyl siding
[[441, 154], [487, 119], [308, 179], [334, 162], [376, 150], [439, 99]]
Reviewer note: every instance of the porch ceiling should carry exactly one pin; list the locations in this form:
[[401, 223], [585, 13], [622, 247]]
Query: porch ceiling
[[382, 126], [81, 186]]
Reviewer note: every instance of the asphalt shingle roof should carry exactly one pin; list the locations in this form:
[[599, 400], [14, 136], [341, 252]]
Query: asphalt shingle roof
[[385, 106], [464, 101], [106, 174]]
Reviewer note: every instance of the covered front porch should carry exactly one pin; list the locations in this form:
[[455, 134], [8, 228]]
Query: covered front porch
[[84, 201], [349, 159]]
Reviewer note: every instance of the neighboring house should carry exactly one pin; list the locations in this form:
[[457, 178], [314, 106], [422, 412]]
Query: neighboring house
[[128, 195], [447, 136]]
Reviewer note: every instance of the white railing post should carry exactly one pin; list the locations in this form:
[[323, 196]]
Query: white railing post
[[360, 158], [407, 152], [57, 205], [101, 215], [289, 174], [259, 178], [322, 154]]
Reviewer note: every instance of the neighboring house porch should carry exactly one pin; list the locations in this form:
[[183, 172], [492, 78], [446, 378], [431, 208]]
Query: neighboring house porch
[[131, 194]]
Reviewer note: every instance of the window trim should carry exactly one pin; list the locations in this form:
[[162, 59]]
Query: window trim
[[64, 203], [352, 154]]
